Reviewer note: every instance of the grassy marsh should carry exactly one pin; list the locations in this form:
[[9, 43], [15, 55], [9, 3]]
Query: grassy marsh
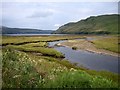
[[40, 47], [22, 70], [110, 44], [28, 39], [23, 67]]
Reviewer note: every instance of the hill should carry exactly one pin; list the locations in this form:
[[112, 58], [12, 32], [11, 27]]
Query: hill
[[7, 30], [104, 24]]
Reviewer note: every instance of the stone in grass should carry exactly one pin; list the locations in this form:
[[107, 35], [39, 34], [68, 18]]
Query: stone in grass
[[74, 48], [58, 44]]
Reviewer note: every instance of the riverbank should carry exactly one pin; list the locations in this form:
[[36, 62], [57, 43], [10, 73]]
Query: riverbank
[[36, 65], [88, 45], [30, 71]]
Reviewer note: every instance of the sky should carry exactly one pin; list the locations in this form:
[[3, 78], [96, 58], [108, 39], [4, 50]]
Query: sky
[[51, 15]]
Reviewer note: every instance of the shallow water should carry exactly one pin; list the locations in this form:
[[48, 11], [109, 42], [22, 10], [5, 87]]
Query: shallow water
[[89, 60], [32, 34]]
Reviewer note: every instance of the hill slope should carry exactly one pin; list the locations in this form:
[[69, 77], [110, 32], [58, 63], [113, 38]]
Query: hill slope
[[7, 30], [104, 24]]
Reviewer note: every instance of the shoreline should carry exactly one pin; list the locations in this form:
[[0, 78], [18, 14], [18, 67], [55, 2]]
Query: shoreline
[[97, 50]]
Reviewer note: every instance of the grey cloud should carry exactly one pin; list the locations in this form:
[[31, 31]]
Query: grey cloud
[[49, 15], [42, 14]]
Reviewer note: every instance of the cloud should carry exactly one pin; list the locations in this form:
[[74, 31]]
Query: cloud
[[85, 10], [60, 1], [45, 15], [57, 25], [42, 13]]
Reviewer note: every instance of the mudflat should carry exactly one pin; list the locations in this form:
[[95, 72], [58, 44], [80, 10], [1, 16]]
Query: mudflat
[[92, 46]]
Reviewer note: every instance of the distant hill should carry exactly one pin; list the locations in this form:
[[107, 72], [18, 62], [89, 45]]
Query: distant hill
[[7, 30], [104, 24]]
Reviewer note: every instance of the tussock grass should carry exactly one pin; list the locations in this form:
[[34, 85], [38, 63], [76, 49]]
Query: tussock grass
[[110, 44], [18, 71], [22, 70]]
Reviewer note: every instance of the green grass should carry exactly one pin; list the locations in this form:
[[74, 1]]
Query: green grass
[[39, 44], [79, 79], [64, 62], [103, 24], [29, 39], [108, 75], [42, 50], [40, 47], [22, 70], [110, 44], [47, 69], [18, 71]]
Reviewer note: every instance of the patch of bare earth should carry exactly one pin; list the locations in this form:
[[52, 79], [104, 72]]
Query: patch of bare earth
[[88, 46]]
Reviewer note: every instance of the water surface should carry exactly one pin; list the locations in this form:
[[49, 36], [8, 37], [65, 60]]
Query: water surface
[[89, 60], [32, 34]]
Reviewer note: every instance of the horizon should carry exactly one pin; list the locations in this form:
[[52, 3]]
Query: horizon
[[50, 16], [59, 26]]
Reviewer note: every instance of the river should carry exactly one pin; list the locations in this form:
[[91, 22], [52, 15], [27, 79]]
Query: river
[[33, 34], [87, 59]]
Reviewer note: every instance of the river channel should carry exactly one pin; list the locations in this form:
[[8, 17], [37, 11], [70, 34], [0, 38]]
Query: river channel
[[87, 59]]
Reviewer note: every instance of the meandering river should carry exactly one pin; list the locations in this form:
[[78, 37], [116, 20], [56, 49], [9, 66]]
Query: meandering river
[[89, 60]]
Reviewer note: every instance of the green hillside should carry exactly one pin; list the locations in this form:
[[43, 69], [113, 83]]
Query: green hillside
[[104, 24], [8, 30]]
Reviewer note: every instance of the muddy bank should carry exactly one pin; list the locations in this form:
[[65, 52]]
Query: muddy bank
[[87, 46]]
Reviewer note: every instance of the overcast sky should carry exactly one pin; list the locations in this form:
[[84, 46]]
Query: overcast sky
[[49, 16]]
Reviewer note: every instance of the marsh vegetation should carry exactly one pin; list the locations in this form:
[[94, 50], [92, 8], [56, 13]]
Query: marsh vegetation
[[29, 62]]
